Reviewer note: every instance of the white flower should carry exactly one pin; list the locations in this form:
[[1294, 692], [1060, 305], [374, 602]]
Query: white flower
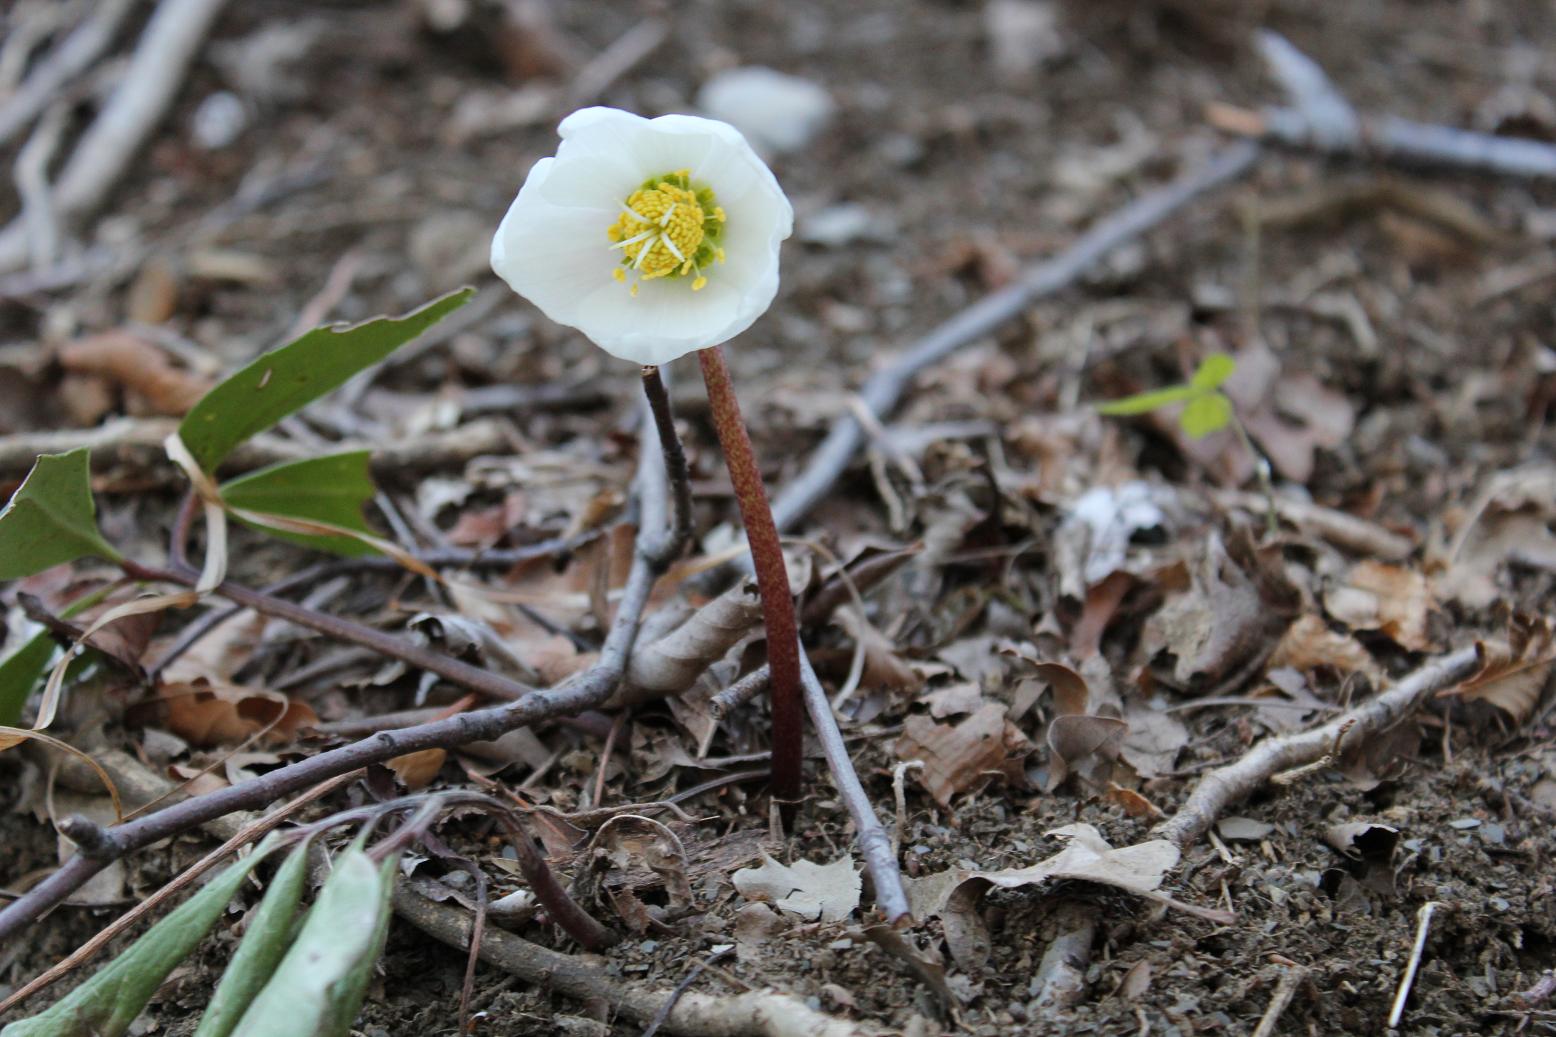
[[654, 237]]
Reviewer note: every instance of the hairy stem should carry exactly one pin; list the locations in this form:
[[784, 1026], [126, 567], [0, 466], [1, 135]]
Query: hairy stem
[[772, 578]]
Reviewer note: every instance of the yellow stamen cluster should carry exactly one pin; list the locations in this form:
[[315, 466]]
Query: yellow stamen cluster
[[669, 227]]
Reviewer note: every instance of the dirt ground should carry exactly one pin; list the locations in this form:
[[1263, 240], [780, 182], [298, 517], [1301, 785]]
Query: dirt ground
[[1404, 322]]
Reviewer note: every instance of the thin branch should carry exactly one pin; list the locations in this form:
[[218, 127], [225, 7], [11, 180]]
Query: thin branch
[[1320, 119], [875, 844], [85, 44], [1226, 785], [167, 47], [883, 390], [758, 1013]]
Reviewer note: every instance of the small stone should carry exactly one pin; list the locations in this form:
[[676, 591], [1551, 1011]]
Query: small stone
[[777, 112], [843, 224], [218, 121]]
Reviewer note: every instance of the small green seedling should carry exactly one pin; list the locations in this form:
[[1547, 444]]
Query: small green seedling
[[1206, 409]]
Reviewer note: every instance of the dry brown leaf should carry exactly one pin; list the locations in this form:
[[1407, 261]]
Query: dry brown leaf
[[1132, 803], [1153, 741], [1082, 744], [1223, 621], [139, 366], [1510, 519], [206, 712], [1309, 644], [418, 770], [953, 895], [828, 892], [956, 758], [1390, 599], [1513, 672]]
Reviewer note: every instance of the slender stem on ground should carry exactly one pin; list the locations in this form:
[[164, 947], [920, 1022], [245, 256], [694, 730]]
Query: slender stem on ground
[[772, 579], [875, 844], [675, 457]]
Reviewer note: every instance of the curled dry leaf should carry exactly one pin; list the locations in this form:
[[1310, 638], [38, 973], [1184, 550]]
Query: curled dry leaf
[[206, 712], [1083, 745], [828, 892], [139, 366], [958, 757], [1509, 520], [417, 770], [1237, 603], [1513, 671], [953, 895], [1309, 645], [673, 663], [1392, 600]]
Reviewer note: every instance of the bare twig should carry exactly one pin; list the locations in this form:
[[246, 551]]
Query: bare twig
[[32, 185], [1322, 120], [52, 73], [1285, 989], [1226, 785], [166, 48], [740, 692], [758, 1013], [680, 988], [875, 843], [883, 390], [1423, 923]]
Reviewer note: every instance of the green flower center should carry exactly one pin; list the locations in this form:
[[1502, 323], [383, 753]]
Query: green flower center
[[669, 227]]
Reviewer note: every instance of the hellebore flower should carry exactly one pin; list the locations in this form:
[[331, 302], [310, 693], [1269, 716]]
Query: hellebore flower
[[653, 237]]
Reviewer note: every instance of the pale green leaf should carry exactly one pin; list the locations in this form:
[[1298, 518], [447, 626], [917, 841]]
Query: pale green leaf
[[340, 932], [1145, 402], [285, 380], [51, 518], [331, 489], [346, 1001], [1213, 371], [1205, 414], [269, 934], [106, 1004]]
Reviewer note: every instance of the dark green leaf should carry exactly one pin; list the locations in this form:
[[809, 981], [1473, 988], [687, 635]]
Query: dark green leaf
[[1213, 370], [51, 518], [23, 669], [106, 1004], [330, 489], [1206, 414], [269, 934], [285, 380], [1145, 402]]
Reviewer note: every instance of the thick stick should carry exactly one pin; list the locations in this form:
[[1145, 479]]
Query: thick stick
[[772, 578], [1226, 785]]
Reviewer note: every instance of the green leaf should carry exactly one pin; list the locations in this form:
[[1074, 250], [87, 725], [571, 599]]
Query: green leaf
[[346, 1001], [305, 994], [23, 669], [1206, 414], [51, 518], [106, 1004], [1213, 370], [1145, 402], [330, 489], [287, 379], [269, 933]]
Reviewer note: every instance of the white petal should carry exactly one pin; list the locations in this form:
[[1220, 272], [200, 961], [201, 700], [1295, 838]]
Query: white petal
[[664, 321], [592, 182], [552, 254]]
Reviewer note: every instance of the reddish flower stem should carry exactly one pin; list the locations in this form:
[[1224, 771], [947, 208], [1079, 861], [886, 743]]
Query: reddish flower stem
[[772, 579]]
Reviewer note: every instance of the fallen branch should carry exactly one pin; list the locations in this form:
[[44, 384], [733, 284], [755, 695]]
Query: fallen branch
[[1324, 121], [884, 389], [756, 1013], [167, 47], [875, 844], [1226, 785], [74, 55]]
